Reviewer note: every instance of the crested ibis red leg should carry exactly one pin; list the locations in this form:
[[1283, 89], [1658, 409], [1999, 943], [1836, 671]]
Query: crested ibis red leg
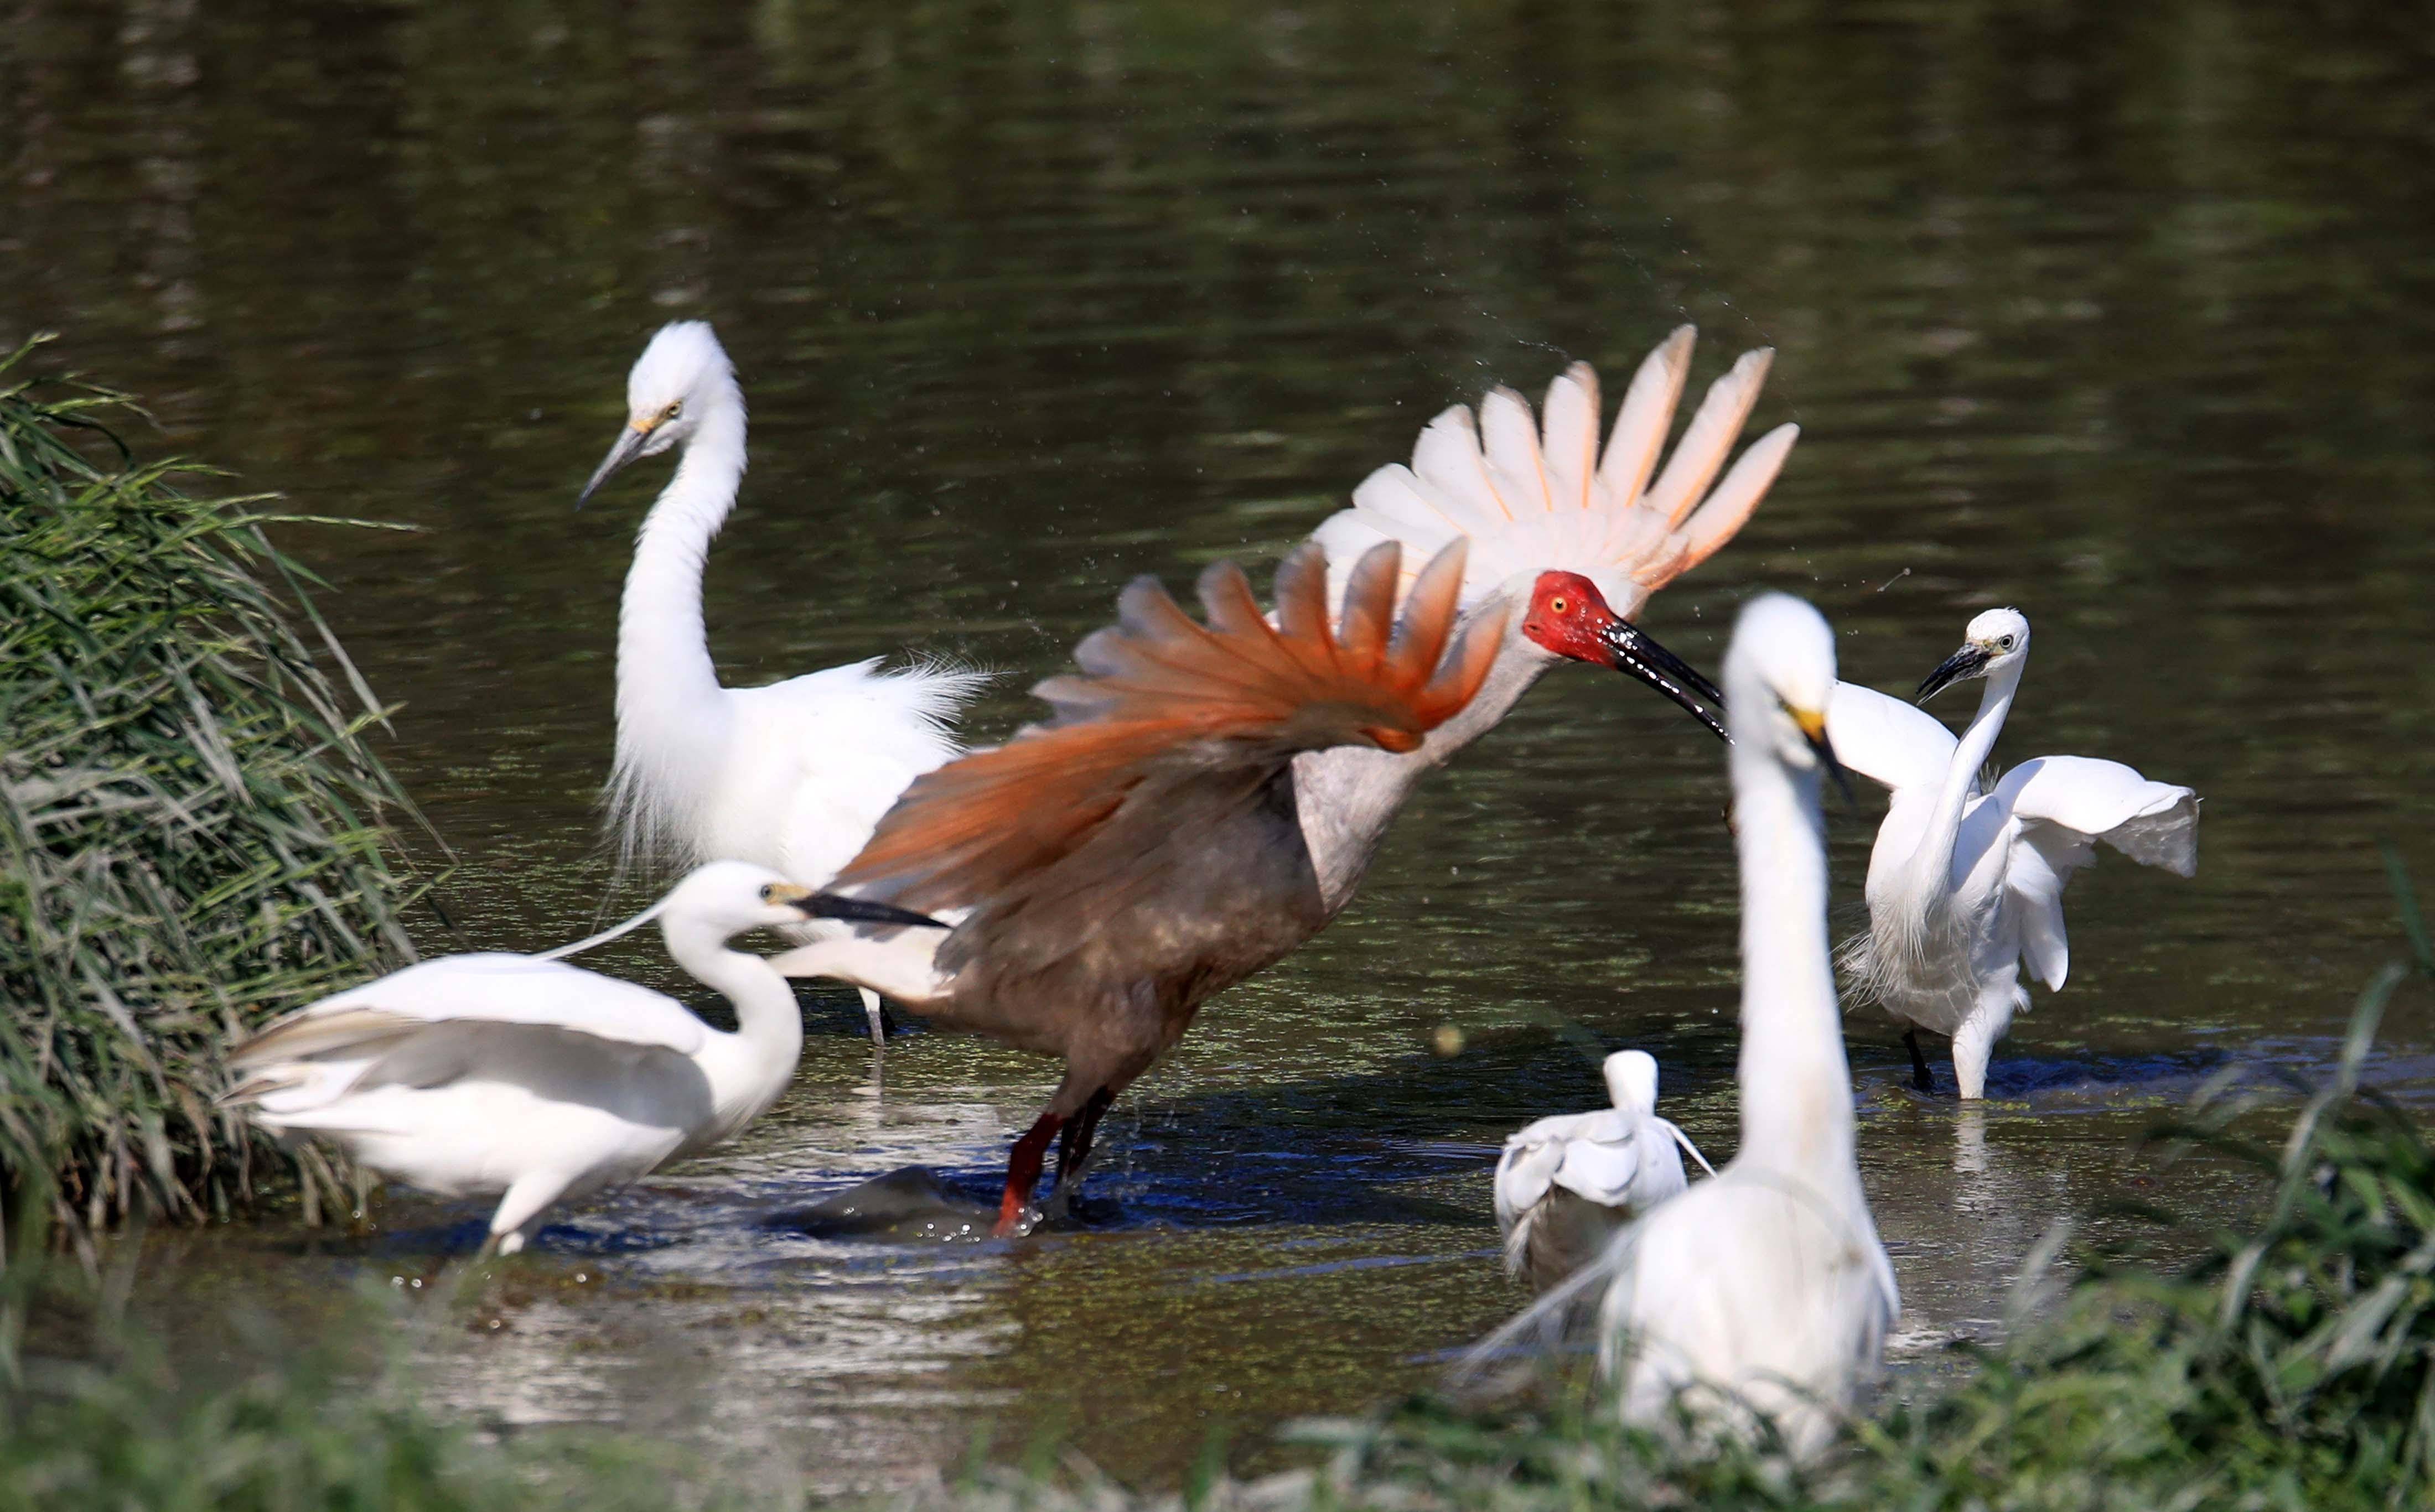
[[1022, 1172], [1030, 1153]]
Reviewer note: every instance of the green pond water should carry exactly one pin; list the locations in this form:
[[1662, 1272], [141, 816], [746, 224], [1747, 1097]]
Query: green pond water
[[2117, 313]]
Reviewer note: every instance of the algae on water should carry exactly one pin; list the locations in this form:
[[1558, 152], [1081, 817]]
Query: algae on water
[[193, 831]]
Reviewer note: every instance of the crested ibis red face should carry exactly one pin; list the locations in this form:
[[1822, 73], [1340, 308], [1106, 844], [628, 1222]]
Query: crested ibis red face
[[1570, 617], [1567, 614]]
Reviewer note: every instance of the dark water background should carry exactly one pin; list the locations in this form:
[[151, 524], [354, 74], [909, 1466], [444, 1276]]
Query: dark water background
[[2116, 312]]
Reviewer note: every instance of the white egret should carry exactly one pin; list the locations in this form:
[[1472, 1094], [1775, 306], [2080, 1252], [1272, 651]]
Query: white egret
[[1566, 1185], [1766, 1289], [522, 1075], [792, 776], [1966, 880]]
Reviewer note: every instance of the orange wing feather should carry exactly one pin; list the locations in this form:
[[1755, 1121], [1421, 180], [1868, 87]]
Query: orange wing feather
[[1159, 690]]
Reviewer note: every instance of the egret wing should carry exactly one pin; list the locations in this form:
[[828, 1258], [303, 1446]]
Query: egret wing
[[1602, 1170], [2038, 860], [2058, 798], [816, 797], [1523, 1174], [1891, 743], [1536, 499], [494, 988], [2057, 808], [1161, 697]]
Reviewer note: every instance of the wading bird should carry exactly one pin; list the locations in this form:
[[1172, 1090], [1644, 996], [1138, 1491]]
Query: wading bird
[[1552, 530], [1966, 882], [792, 775], [540, 1081], [1146, 848], [1766, 1288], [1567, 1185]]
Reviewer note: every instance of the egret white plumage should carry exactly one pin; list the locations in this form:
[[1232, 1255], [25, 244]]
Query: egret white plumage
[[1967, 880], [794, 775], [1766, 1289], [1566, 1184], [522, 1075]]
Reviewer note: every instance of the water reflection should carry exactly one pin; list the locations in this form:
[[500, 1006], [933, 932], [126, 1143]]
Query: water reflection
[[2112, 312]]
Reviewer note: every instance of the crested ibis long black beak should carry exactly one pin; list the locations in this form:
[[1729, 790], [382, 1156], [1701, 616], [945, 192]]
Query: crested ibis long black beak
[[865, 910], [1959, 667], [629, 446], [1637, 656], [1812, 724]]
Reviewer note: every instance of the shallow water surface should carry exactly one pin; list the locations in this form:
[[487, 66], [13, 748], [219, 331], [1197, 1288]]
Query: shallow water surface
[[2115, 313]]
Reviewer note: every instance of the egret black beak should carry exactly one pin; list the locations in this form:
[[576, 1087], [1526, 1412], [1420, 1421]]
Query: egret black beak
[[1959, 667], [629, 447], [1813, 729], [864, 911], [1637, 656]]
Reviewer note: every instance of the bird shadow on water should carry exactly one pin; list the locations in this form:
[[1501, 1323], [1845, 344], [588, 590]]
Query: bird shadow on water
[[1342, 1151]]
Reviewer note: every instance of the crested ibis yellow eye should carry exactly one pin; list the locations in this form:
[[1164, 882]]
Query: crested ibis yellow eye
[[1558, 604]]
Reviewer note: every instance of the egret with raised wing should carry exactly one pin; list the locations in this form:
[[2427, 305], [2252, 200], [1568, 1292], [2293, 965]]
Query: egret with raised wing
[[1567, 1185], [540, 1081], [792, 775], [1965, 882]]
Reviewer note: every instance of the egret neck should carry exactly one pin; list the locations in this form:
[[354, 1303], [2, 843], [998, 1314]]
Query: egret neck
[[1796, 1085], [1933, 862], [747, 1070], [673, 716]]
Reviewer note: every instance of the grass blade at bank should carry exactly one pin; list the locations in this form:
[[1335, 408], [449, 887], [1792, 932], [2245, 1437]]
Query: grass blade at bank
[[192, 827]]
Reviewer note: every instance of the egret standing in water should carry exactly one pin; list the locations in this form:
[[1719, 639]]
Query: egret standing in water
[[1566, 1184], [792, 776], [1965, 884], [522, 1075], [1766, 1288]]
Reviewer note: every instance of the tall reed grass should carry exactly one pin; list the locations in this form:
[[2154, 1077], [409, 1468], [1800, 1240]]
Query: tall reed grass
[[193, 830]]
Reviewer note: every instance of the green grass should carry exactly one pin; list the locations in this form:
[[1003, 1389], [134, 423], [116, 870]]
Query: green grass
[[192, 826]]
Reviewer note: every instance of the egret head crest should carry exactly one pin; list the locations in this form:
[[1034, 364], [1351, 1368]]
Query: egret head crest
[[1996, 639], [1781, 668], [681, 379]]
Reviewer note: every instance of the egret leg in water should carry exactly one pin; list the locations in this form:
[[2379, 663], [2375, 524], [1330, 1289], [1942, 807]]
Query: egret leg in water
[[1920, 1077]]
